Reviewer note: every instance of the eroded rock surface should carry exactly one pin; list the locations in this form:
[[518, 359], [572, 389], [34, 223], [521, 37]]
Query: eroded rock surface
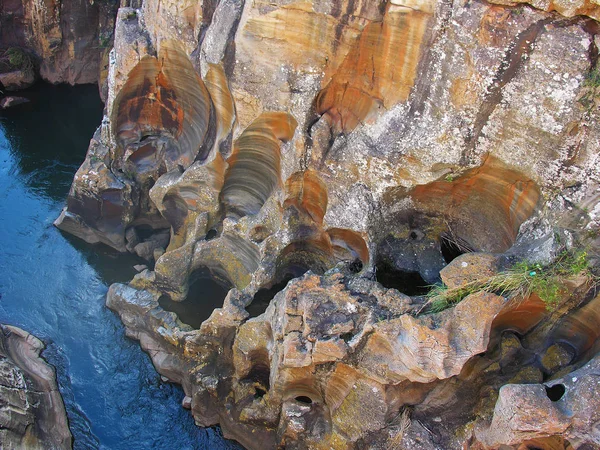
[[326, 351], [567, 406], [327, 162], [32, 413], [70, 40]]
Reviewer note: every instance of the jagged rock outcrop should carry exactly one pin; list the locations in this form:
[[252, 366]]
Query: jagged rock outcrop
[[326, 351], [70, 39], [370, 144], [566, 406], [32, 413]]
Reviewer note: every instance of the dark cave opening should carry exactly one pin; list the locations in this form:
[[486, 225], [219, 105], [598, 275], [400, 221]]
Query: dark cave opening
[[263, 297], [556, 392], [260, 373], [259, 393], [304, 399], [204, 296], [355, 266], [409, 283], [144, 232]]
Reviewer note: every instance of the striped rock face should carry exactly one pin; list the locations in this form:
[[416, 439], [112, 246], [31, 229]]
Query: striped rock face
[[325, 163], [255, 164], [161, 115]]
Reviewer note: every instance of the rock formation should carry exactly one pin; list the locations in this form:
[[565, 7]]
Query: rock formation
[[69, 40], [32, 413], [325, 162]]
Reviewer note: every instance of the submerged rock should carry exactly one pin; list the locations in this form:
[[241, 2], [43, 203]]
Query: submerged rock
[[32, 412], [12, 100]]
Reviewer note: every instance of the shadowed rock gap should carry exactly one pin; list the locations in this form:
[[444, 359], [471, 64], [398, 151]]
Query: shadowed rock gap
[[452, 248], [263, 297], [409, 283], [204, 296], [556, 392]]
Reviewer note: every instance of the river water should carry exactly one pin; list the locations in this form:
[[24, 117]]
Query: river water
[[54, 286]]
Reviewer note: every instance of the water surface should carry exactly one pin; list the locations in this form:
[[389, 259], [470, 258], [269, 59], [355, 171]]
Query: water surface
[[54, 286]]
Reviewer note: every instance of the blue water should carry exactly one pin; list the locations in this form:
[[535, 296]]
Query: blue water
[[54, 286]]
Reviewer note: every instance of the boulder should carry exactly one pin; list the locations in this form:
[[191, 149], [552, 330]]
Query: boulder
[[567, 406]]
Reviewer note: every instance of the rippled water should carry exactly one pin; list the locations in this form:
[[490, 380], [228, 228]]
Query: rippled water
[[54, 286]]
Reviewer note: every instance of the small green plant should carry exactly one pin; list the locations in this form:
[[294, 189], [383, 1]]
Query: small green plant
[[129, 173], [521, 280], [591, 91], [17, 58], [593, 78], [449, 178], [104, 41]]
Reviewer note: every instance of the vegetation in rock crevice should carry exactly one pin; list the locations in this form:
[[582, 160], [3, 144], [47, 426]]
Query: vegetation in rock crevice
[[591, 89], [15, 58], [520, 281]]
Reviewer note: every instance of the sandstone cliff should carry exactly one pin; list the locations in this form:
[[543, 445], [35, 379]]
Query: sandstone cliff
[[68, 39], [358, 149]]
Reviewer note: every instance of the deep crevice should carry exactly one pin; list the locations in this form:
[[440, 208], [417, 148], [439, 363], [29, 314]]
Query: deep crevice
[[211, 234], [409, 283], [304, 399], [263, 297], [556, 392], [204, 296], [452, 247], [260, 372], [259, 393]]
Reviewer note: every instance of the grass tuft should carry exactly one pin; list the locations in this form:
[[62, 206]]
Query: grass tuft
[[17, 58], [398, 429], [591, 91], [521, 280]]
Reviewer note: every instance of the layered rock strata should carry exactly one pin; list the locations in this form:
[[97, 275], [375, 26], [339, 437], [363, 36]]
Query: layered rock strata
[[325, 162], [32, 413]]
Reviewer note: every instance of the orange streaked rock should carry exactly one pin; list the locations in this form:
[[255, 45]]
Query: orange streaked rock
[[307, 191], [521, 316], [431, 347], [306, 37], [379, 70], [162, 98], [255, 164], [347, 241], [218, 87], [486, 206], [313, 254], [580, 328]]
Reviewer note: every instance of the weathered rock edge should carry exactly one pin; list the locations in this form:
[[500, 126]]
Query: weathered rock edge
[[346, 344], [32, 412]]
